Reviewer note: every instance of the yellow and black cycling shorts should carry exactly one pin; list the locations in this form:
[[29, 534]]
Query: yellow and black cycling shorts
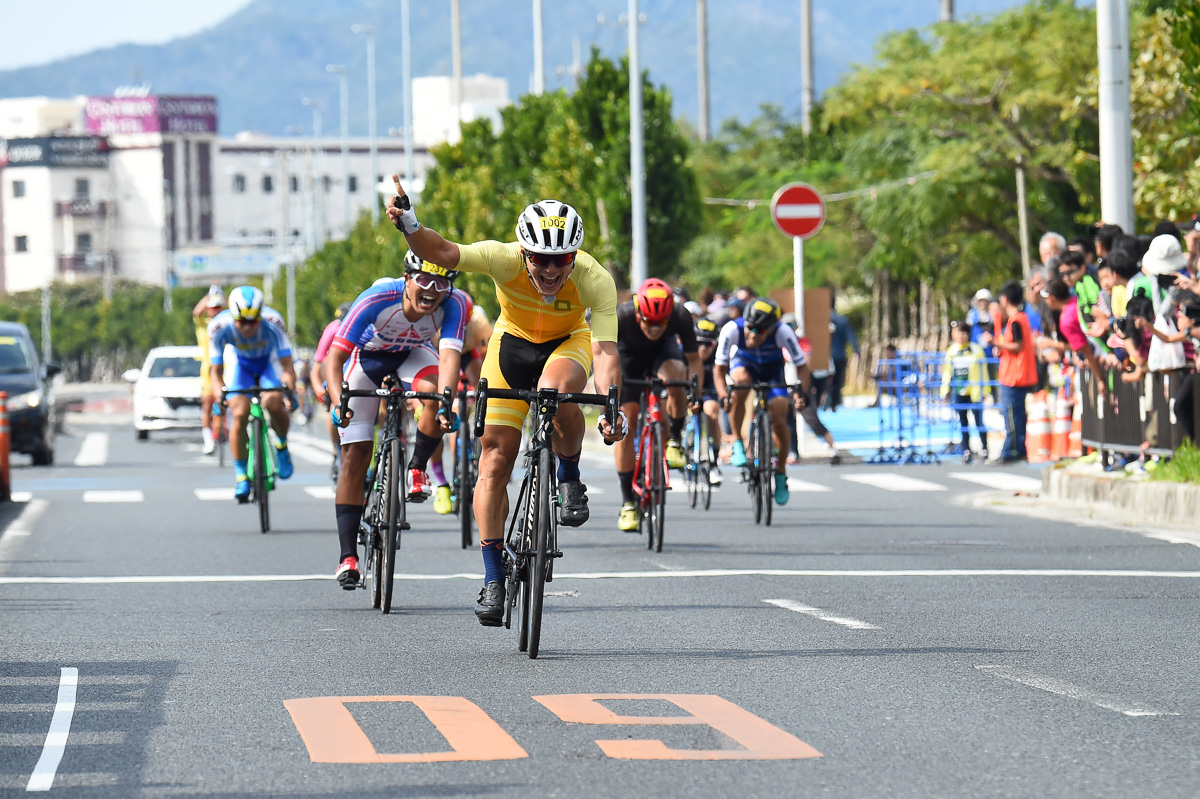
[[514, 362]]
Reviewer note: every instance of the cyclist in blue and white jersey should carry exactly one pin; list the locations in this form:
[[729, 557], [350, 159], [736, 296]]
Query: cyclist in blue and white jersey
[[389, 331], [258, 339], [750, 350]]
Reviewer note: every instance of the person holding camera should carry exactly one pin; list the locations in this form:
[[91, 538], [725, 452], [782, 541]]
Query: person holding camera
[[1071, 328]]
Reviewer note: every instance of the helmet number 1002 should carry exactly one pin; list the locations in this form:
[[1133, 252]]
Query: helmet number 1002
[[559, 222]]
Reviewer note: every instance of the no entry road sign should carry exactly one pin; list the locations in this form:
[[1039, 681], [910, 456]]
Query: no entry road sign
[[798, 210]]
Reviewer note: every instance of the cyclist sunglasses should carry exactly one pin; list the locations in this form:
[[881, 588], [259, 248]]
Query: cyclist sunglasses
[[429, 282], [548, 260]]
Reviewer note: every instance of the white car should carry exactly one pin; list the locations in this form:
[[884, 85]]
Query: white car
[[166, 390]]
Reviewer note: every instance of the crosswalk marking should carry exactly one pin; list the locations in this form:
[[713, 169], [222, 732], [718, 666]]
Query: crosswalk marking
[[891, 481], [214, 494], [1001, 481], [796, 484], [93, 451], [113, 496]]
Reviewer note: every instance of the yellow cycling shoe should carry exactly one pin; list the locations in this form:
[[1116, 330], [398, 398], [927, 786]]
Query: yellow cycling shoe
[[442, 503], [675, 456], [628, 520]]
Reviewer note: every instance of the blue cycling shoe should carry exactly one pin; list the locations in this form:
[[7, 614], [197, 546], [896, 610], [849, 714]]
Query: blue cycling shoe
[[285, 463], [782, 494], [738, 456], [242, 492]]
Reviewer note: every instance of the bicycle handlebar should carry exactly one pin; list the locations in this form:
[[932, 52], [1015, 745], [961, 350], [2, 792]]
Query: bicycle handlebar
[[657, 384], [610, 401], [255, 391], [391, 391]]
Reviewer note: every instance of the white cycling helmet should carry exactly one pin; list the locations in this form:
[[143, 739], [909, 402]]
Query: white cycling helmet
[[550, 227], [245, 302]]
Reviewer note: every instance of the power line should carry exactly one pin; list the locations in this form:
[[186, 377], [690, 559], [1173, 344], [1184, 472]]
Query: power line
[[911, 180]]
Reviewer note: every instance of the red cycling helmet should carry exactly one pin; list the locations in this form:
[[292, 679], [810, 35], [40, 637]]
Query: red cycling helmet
[[655, 301]]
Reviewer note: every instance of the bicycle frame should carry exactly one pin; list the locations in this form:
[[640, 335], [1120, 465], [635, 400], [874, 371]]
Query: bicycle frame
[[261, 464]]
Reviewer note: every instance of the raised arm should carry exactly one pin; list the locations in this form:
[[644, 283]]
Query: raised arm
[[429, 245]]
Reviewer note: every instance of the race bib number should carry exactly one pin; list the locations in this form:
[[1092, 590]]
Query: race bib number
[[558, 222]]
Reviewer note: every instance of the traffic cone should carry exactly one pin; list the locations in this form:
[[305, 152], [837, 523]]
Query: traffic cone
[[5, 443], [1037, 430], [1060, 432], [1075, 443]]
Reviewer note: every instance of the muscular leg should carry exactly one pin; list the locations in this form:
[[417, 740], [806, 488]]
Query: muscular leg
[[281, 420], [737, 411], [498, 452], [778, 408], [566, 375], [239, 410]]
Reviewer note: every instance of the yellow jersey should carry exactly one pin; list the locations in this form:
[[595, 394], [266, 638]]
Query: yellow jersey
[[525, 313]]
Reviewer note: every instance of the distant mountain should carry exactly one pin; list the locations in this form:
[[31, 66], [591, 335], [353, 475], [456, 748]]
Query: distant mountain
[[261, 60]]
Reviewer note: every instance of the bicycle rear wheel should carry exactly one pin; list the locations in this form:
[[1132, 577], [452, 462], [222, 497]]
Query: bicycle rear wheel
[[392, 515], [709, 464], [541, 539], [691, 471]]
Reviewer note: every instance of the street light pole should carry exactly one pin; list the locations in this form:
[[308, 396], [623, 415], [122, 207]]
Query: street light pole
[[806, 66], [344, 79], [406, 43], [372, 123], [456, 68], [539, 56], [702, 64], [318, 174], [1116, 134], [637, 153]]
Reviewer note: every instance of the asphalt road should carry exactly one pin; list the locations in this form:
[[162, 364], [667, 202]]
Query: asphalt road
[[872, 642]]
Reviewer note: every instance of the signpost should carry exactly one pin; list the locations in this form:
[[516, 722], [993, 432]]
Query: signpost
[[799, 212]]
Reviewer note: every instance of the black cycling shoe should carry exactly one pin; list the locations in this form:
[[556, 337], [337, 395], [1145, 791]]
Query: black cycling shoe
[[572, 503], [490, 607]]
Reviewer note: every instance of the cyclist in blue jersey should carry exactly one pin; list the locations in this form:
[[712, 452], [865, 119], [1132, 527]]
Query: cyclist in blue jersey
[[750, 350], [258, 338], [389, 331]]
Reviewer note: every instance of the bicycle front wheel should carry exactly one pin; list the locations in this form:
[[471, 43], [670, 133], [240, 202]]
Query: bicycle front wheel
[[541, 539], [752, 458], [706, 472], [766, 468], [691, 471], [465, 493], [658, 489], [259, 436], [392, 515]]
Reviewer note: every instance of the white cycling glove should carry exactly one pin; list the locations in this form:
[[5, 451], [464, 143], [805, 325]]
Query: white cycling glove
[[621, 425]]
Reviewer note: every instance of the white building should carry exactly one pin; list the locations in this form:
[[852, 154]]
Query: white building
[[140, 187], [434, 117]]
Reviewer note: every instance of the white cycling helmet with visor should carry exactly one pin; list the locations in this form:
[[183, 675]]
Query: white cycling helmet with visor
[[550, 227], [246, 303]]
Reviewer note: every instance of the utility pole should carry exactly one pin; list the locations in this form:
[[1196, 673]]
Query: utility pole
[[806, 66], [406, 77], [1116, 135], [318, 174], [637, 153], [1022, 208], [372, 122], [456, 61], [344, 79], [46, 323], [702, 64], [947, 10], [539, 56]]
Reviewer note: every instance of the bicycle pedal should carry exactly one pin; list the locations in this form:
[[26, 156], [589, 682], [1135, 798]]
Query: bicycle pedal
[[406, 526]]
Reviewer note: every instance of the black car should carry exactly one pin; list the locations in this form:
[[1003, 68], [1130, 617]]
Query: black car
[[30, 400]]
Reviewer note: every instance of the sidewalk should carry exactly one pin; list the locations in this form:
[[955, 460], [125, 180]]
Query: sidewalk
[[1137, 498]]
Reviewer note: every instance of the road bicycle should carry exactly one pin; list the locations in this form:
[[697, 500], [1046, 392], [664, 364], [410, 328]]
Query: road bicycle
[[701, 458], [651, 477], [262, 465], [761, 457], [465, 471], [531, 544], [385, 504]]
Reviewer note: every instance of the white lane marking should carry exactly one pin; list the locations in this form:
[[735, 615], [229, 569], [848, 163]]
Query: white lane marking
[[22, 496], [56, 739], [823, 615], [595, 491], [316, 442], [891, 481], [318, 492], [867, 573], [21, 527], [1001, 481], [308, 453], [114, 496], [803, 485], [1062, 688], [213, 494], [93, 451]]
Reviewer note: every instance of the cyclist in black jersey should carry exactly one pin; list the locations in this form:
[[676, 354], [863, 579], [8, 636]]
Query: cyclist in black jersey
[[655, 336], [707, 334]]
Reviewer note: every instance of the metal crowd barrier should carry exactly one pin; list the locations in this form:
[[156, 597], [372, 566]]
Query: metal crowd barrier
[[1137, 415]]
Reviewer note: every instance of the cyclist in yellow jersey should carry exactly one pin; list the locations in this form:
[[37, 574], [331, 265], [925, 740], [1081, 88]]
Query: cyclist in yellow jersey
[[209, 306], [544, 283]]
